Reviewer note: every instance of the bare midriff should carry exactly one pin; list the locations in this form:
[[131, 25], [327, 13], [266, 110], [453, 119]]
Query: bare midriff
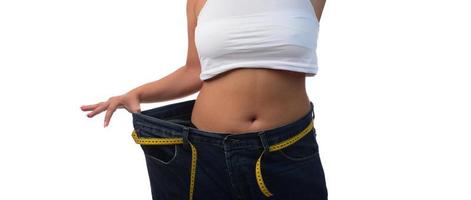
[[250, 99]]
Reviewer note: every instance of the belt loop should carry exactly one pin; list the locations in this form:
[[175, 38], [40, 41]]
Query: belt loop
[[186, 132], [264, 140]]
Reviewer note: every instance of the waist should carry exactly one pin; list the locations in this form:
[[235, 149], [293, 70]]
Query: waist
[[173, 121], [250, 99]]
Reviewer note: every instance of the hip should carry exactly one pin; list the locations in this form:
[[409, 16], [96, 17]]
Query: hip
[[283, 161]]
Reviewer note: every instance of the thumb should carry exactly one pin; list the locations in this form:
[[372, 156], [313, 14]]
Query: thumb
[[135, 109]]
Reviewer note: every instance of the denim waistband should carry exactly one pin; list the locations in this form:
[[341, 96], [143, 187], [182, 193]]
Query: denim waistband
[[174, 120]]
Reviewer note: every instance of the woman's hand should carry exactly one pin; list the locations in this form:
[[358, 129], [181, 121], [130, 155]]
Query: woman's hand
[[130, 101]]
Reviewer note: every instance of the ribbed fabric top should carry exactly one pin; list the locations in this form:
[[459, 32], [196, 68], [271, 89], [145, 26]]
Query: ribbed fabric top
[[276, 34]]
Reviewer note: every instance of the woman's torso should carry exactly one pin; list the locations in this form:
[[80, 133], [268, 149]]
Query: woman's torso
[[237, 32], [250, 99]]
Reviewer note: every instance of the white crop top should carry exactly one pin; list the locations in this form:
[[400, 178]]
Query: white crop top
[[275, 34]]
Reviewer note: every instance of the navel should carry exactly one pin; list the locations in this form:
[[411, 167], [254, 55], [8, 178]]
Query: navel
[[253, 118]]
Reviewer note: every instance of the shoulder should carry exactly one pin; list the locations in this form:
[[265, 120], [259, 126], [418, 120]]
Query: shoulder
[[192, 59]]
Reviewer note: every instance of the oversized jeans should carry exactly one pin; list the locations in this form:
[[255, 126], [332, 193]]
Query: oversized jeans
[[184, 162]]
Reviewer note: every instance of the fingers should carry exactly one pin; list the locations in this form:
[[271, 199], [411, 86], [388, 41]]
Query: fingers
[[111, 105], [89, 107], [101, 107], [109, 113]]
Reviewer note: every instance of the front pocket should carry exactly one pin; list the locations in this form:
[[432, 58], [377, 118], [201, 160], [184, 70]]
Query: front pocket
[[303, 149], [164, 154], [157, 147]]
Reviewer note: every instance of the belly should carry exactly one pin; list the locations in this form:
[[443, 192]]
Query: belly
[[250, 99]]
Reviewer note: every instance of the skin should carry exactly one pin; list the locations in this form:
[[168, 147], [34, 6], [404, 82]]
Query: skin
[[252, 99]]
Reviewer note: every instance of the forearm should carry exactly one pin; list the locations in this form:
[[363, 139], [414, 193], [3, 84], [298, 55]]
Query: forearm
[[182, 82]]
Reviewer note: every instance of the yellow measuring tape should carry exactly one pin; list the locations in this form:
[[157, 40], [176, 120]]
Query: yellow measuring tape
[[170, 141], [277, 147], [258, 172]]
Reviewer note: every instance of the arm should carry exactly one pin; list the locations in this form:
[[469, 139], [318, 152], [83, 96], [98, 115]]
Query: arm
[[319, 7], [182, 82]]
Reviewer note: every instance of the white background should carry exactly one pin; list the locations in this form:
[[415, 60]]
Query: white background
[[392, 96]]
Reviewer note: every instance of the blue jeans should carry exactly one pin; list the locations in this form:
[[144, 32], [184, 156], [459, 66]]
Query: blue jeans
[[282, 163]]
